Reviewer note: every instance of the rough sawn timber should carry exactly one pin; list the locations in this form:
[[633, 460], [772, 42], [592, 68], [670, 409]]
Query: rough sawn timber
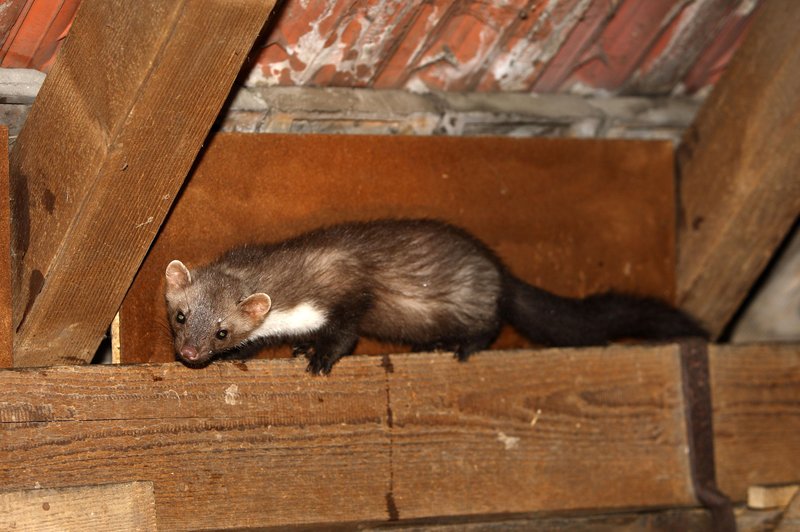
[[120, 507], [382, 438], [755, 391], [739, 188], [527, 431], [6, 328], [108, 142]]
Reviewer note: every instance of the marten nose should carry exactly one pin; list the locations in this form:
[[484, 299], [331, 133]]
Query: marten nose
[[189, 352]]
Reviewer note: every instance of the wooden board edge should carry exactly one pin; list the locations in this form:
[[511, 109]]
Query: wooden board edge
[[122, 506], [6, 289]]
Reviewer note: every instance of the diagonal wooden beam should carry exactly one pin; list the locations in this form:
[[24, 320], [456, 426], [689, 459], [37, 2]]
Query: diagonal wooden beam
[[114, 131], [6, 334], [739, 188]]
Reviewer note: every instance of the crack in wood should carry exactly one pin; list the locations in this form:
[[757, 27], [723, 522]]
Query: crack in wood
[[391, 506]]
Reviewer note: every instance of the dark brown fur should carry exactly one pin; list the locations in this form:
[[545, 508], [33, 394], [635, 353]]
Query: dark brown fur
[[420, 282]]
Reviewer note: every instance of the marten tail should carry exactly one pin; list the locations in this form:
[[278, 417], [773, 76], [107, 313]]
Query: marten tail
[[552, 320]]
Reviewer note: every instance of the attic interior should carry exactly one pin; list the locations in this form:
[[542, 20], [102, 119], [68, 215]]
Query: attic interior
[[641, 147]]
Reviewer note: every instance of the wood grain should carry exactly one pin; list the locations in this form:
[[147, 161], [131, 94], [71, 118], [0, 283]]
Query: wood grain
[[572, 216], [7, 334], [538, 431], [684, 519], [264, 444], [113, 507], [756, 401], [791, 517], [739, 189], [108, 142], [232, 446]]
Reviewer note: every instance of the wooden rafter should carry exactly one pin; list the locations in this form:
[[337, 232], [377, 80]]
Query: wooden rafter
[[739, 189], [105, 149], [6, 329]]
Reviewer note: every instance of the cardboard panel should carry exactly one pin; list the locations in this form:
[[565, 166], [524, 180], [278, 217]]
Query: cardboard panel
[[571, 216]]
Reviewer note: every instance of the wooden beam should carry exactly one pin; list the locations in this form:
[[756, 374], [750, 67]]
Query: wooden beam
[[767, 497], [382, 438], [756, 399], [791, 516], [6, 327], [235, 446], [526, 430], [739, 190], [126, 506], [108, 142], [693, 519], [401, 436]]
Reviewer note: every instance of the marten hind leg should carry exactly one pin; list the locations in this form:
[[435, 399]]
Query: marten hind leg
[[329, 348], [463, 348]]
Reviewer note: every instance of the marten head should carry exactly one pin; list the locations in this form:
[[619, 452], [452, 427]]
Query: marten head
[[210, 311]]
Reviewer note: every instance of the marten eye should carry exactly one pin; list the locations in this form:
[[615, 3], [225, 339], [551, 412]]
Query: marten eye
[[222, 334], [180, 317]]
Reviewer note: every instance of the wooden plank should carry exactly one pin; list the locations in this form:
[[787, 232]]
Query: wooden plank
[[756, 400], [132, 96], [791, 517], [685, 519], [538, 202], [402, 436], [513, 432], [763, 497], [7, 335], [234, 446], [739, 190], [125, 506]]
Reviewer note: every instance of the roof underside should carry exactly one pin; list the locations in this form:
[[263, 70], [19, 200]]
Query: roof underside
[[619, 46]]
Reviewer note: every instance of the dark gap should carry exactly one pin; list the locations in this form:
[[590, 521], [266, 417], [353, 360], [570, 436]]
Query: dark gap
[[103, 353], [727, 332]]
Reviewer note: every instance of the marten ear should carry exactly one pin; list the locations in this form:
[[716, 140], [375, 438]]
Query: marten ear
[[178, 276], [256, 306]]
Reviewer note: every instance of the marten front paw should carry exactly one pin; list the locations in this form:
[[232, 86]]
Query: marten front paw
[[319, 365], [460, 354]]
